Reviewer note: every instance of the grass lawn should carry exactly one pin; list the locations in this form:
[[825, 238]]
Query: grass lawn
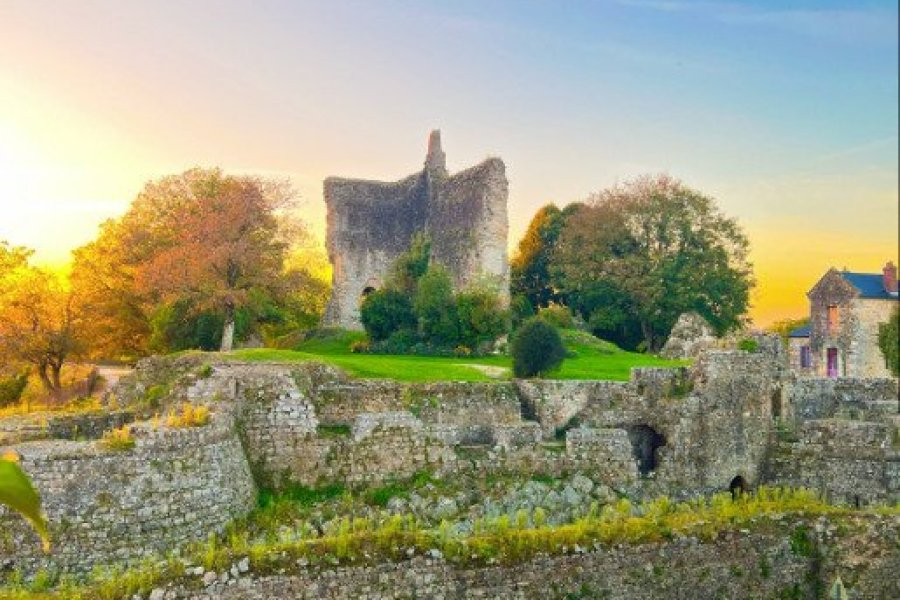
[[592, 359]]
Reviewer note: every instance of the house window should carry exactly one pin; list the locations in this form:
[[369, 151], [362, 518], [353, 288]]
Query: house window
[[833, 318], [805, 357]]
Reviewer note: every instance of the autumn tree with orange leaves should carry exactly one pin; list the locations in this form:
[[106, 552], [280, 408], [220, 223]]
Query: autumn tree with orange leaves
[[39, 317]]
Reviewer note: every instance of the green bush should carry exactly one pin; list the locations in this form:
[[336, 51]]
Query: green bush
[[748, 345], [385, 312], [435, 308], [11, 388], [557, 315], [481, 318], [536, 349]]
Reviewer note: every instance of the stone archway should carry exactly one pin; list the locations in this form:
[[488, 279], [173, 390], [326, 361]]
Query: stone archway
[[738, 486], [645, 445]]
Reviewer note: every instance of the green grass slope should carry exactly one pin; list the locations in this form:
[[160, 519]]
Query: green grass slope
[[591, 358]]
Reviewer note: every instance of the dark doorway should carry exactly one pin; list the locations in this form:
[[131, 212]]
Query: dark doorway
[[737, 487], [645, 444], [776, 403]]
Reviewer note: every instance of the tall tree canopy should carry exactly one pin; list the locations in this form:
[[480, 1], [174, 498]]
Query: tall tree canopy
[[203, 247], [39, 317], [530, 266], [640, 254]]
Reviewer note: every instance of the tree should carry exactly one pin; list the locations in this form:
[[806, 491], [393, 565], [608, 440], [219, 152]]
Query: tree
[[784, 327], [889, 342], [38, 317], [530, 266], [651, 250], [216, 240], [537, 348], [435, 307], [482, 318]]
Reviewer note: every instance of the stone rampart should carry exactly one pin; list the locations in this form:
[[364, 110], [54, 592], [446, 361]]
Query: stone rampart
[[106, 506]]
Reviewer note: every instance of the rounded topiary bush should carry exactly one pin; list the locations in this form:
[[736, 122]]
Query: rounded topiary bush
[[536, 348]]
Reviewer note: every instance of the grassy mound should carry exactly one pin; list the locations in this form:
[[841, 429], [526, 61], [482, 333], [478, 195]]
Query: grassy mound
[[590, 358]]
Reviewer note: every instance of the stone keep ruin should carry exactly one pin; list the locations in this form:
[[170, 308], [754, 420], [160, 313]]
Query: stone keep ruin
[[371, 222]]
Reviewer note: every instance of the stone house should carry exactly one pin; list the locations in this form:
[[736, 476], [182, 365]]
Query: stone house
[[846, 309]]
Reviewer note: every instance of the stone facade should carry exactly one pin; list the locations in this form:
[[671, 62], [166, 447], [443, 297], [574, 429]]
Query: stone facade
[[370, 223], [845, 312]]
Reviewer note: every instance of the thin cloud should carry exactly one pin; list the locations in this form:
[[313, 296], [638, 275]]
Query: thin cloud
[[869, 25]]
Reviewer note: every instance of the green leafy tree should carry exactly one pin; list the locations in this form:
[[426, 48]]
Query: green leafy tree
[[655, 249], [435, 307], [530, 266], [536, 349], [889, 342]]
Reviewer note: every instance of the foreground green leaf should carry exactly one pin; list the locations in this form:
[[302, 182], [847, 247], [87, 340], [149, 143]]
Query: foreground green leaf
[[18, 493]]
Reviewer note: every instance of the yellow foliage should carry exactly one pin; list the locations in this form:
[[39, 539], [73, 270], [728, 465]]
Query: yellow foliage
[[189, 416], [118, 439]]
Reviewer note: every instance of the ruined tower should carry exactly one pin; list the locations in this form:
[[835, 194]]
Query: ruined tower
[[371, 222]]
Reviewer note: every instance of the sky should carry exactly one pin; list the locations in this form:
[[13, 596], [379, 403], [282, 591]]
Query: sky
[[785, 112]]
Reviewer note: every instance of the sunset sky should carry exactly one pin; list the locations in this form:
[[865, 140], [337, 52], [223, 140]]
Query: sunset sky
[[785, 112]]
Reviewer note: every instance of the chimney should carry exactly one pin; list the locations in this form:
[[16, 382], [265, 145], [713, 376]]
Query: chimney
[[890, 278], [436, 161]]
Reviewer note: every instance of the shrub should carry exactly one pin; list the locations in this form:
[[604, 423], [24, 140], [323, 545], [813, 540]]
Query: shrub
[[536, 349], [435, 308], [386, 311], [118, 439], [360, 346], [11, 388], [205, 371], [748, 345], [889, 342], [189, 416], [557, 315], [481, 317]]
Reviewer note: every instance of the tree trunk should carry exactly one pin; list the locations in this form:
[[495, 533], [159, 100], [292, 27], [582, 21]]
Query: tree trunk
[[228, 330], [45, 378]]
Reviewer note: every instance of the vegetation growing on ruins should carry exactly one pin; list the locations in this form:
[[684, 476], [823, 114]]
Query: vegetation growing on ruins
[[889, 342], [276, 537], [418, 312]]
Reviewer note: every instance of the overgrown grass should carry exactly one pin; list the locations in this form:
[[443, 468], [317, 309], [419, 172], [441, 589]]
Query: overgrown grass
[[502, 540], [590, 358]]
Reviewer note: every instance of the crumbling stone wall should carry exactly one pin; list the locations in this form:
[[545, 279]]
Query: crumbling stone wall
[[850, 462], [370, 223], [105, 506], [734, 566]]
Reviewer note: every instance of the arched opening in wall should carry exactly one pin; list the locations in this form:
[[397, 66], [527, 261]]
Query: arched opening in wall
[[856, 502], [776, 403], [367, 291], [645, 445], [738, 486]]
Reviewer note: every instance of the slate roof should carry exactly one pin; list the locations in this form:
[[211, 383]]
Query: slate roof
[[800, 332], [869, 285]]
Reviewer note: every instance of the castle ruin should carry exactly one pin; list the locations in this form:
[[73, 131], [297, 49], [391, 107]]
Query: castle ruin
[[370, 223]]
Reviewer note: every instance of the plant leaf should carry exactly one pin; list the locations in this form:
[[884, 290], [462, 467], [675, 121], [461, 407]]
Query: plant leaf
[[18, 493]]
